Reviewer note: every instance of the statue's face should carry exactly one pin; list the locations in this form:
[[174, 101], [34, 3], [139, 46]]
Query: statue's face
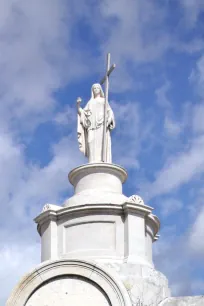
[[96, 89]]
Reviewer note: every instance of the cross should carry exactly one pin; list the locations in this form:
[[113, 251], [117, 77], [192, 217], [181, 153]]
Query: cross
[[106, 81]]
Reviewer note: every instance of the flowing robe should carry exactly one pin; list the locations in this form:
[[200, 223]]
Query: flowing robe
[[90, 130]]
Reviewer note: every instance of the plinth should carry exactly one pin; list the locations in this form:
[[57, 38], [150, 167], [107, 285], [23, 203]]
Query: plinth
[[97, 184]]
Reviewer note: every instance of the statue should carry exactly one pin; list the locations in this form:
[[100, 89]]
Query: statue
[[95, 120]]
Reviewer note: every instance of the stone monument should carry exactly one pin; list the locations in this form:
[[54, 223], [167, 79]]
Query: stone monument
[[96, 248]]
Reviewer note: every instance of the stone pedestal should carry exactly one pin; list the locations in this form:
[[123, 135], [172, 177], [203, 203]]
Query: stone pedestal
[[97, 243], [99, 222]]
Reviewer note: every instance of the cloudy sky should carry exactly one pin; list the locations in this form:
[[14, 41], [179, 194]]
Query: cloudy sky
[[51, 51]]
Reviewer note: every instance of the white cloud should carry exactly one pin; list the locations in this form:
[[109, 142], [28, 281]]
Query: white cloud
[[17, 259], [168, 250], [31, 46], [35, 58], [136, 32], [192, 10], [130, 133], [198, 285], [179, 169], [46, 184], [67, 117], [170, 206], [127, 128], [135, 35], [172, 128], [12, 167], [137, 24], [161, 94], [190, 47], [196, 234], [197, 76], [198, 118]]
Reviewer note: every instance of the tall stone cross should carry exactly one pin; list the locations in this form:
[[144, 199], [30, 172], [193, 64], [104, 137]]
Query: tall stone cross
[[106, 81]]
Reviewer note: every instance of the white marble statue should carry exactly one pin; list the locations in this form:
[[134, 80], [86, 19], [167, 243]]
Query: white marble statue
[[91, 126]]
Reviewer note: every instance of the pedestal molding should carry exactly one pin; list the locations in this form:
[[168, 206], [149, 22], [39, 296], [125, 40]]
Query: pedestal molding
[[54, 214], [98, 167]]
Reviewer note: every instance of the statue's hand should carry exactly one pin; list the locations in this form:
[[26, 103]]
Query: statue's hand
[[79, 100], [109, 122], [78, 105]]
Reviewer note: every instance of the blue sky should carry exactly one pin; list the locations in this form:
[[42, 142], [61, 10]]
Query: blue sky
[[51, 52]]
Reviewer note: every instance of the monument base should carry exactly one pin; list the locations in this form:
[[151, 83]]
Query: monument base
[[84, 283], [97, 230]]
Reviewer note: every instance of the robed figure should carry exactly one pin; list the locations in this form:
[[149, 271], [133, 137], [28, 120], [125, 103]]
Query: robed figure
[[90, 127]]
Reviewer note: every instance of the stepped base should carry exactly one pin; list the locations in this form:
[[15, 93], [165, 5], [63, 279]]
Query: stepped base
[[97, 183]]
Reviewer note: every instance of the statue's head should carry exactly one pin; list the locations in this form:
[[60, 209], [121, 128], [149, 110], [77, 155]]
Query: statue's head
[[96, 90]]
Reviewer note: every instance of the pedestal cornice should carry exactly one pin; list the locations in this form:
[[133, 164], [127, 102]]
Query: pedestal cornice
[[51, 213], [87, 169]]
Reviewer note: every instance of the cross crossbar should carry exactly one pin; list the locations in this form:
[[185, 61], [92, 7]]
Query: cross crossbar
[[108, 73]]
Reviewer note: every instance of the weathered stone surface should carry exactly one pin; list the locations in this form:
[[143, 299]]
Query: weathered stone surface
[[70, 290], [145, 285]]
